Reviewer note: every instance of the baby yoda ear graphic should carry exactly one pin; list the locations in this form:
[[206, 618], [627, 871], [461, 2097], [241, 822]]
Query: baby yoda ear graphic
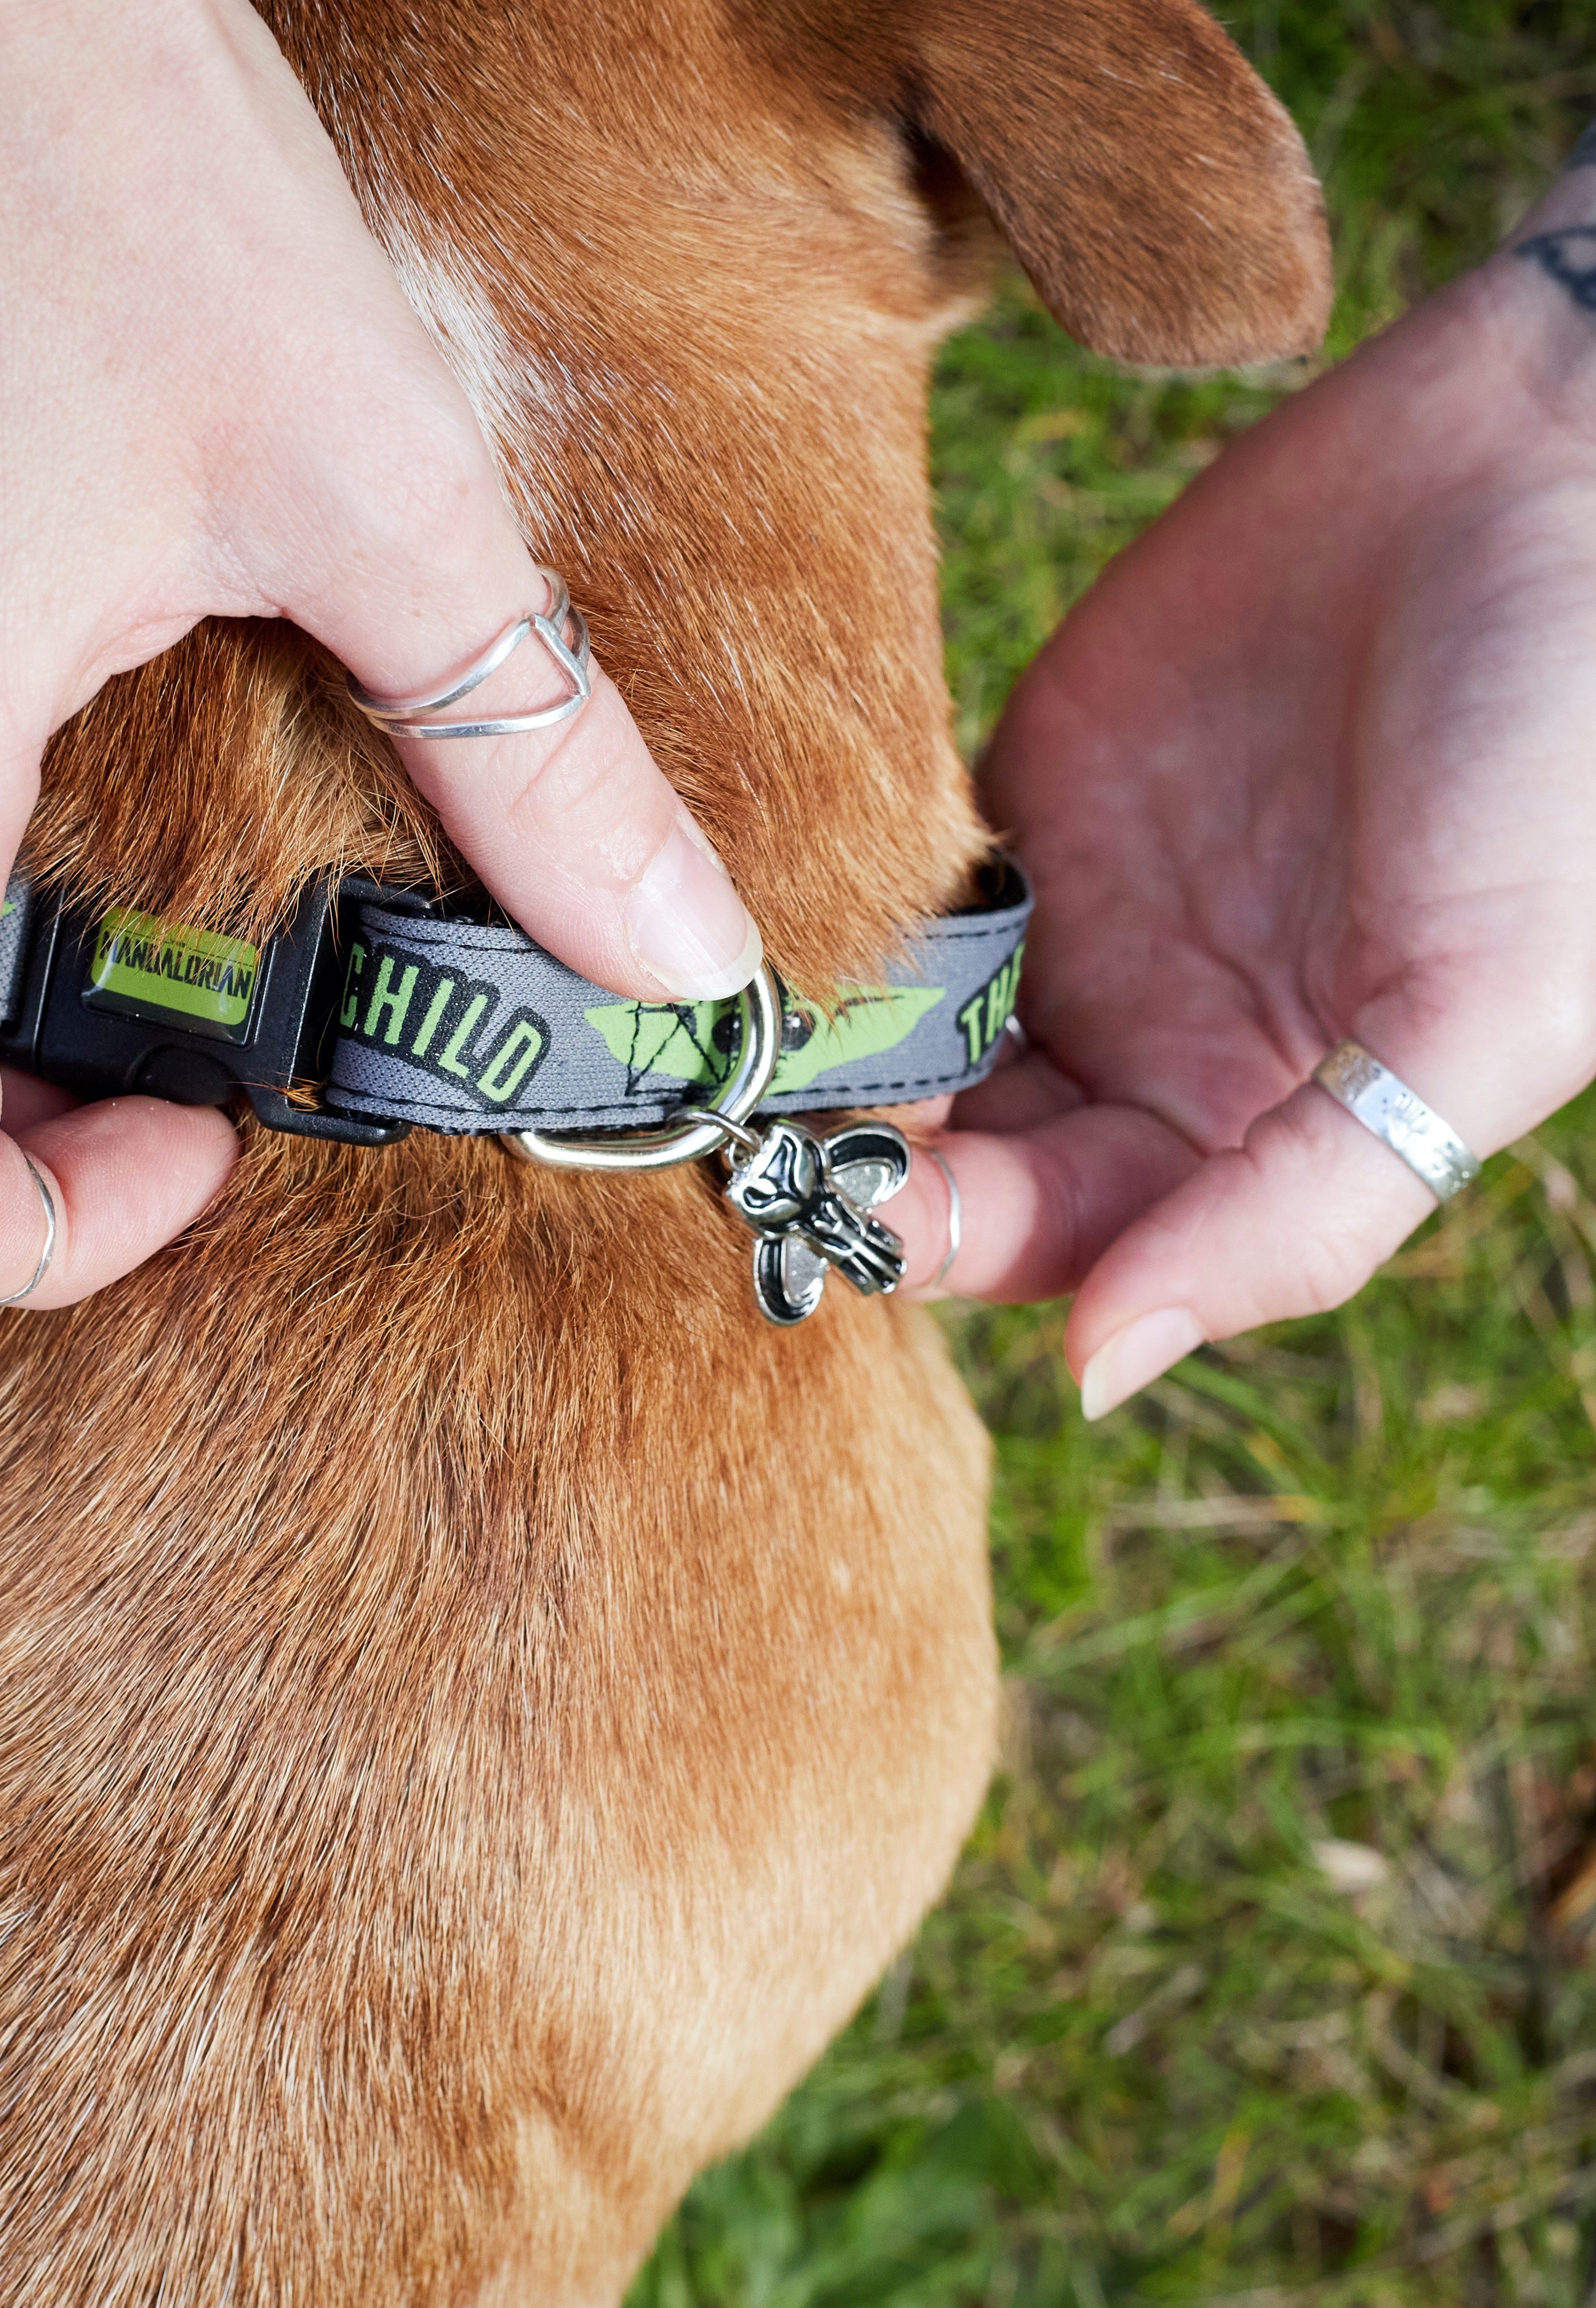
[[808, 1200]]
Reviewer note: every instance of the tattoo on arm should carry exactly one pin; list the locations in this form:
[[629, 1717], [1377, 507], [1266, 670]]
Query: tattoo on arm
[[1568, 257]]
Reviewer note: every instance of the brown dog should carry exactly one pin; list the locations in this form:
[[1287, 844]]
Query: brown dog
[[480, 1708]]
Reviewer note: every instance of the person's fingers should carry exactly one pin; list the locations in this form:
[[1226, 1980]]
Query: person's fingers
[[1292, 1222], [1036, 1208], [574, 829], [125, 1176], [286, 438], [337, 476], [414, 566], [1023, 1090]]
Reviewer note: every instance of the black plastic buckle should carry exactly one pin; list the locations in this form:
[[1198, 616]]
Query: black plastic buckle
[[114, 1003]]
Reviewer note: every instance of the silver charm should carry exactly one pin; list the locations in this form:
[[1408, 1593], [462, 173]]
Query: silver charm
[[808, 1200]]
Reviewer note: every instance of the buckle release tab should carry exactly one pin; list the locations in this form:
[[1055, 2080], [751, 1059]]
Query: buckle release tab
[[123, 1002]]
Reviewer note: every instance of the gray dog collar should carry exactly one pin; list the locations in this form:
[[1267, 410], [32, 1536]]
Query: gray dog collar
[[463, 1026], [378, 1011]]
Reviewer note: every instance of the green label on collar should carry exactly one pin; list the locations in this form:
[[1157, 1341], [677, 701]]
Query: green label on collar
[[153, 968], [695, 1041]]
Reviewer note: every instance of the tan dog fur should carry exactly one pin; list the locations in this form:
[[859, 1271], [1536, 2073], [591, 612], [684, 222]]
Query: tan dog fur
[[477, 1708]]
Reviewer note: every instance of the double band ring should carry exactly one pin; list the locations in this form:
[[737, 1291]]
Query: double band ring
[[563, 632], [1398, 1118], [48, 1252]]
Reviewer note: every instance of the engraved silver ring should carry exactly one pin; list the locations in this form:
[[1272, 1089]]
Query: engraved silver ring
[[1398, 1118], [48, 1252], [563, 632]]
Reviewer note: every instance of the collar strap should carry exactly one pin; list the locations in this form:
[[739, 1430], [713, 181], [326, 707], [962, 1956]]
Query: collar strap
[[381, 1011]]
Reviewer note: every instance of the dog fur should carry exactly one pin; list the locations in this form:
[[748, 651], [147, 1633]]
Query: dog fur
[[477, 1708]]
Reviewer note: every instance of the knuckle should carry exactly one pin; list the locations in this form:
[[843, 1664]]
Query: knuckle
[[575, 787], [1066, 1225], [1333, 1236], [1332, 1268], [422, 484], [583, 784]]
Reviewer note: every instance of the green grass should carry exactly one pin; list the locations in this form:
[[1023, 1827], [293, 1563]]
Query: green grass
[[1325, 1602]]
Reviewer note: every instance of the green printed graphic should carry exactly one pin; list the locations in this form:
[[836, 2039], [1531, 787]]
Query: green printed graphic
[[986, 1013], [10, 906], [695, 1041], [144, 963], [867, 1021], [431, 1019], [673, 1038]]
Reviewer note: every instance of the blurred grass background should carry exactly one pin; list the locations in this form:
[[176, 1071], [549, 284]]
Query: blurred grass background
[[1269, 1975]]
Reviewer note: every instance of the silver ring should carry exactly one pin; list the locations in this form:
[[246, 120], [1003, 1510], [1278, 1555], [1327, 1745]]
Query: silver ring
[[48, 1252], [955, 1219], [700, 1129], [563, 632], [1398, 1116]]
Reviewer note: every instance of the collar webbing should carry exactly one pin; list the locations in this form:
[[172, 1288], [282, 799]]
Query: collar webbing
[[406, 1014], [463, 1026]]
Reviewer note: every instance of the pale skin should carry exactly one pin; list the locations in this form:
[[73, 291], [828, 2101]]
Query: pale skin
[[219, 404], [1314, 760]]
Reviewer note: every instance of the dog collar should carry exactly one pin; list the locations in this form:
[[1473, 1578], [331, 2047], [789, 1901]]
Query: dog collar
[[379, 1010]]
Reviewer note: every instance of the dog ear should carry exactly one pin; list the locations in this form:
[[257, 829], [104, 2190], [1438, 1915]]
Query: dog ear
[[1156, 191]]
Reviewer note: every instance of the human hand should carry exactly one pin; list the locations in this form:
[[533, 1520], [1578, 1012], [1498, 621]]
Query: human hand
[[219, 403], [1314, 760]]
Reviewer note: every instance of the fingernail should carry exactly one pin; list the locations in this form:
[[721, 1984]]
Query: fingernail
[[1134, 1357], [686, 923], [688, 824]]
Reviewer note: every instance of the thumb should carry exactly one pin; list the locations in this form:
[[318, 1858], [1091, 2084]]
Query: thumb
[[1292, 1221], [572, 827], [364, 503]]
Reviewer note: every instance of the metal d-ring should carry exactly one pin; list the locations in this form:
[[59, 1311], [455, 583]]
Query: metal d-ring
[[700, 1129]]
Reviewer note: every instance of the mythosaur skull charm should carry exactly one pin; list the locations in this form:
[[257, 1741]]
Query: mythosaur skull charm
[[808, 1200]]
